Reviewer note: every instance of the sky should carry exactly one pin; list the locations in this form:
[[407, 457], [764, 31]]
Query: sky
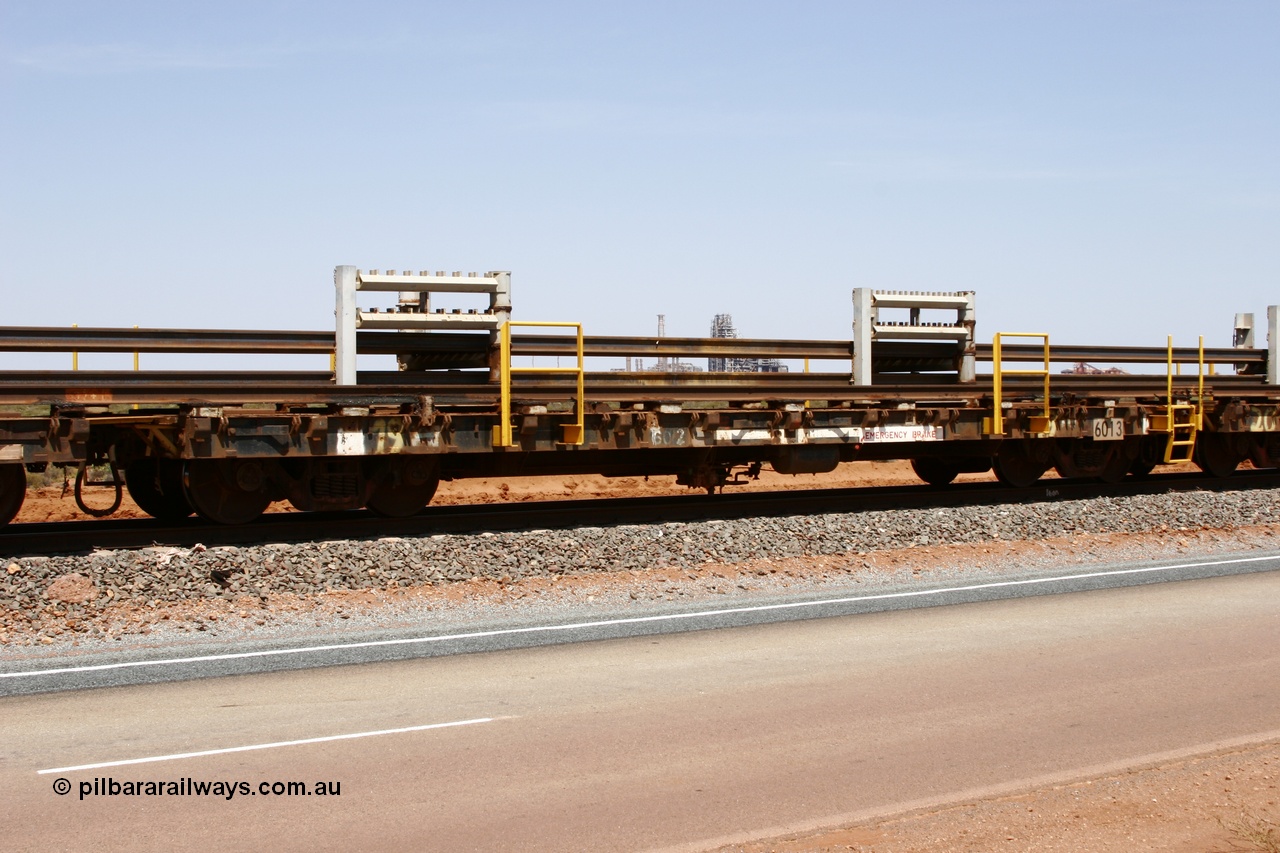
[[1105, 172]]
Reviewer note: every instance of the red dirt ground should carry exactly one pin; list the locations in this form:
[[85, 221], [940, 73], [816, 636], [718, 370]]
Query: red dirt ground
[[53, 503]]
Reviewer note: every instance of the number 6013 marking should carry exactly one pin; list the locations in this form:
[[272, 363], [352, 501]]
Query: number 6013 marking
[[1107, 429]]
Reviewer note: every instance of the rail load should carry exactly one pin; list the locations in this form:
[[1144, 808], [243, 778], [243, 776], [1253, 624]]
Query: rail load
[[463, 403]]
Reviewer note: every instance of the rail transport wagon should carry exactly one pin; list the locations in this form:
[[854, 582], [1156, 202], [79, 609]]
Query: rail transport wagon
[[480, 394]]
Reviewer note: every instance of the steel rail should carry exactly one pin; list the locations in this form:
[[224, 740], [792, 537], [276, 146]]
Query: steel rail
[[58, 339], [596, 346], [474, 380], [1123, 355], [53, 339], [392, 388], [84, 536]]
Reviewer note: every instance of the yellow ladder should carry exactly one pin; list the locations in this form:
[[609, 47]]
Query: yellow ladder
[[574, 433], [1182, 421], [995, 424]]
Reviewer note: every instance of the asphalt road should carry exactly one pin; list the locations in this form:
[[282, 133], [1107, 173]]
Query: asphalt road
[[521, 628], [677, 741]]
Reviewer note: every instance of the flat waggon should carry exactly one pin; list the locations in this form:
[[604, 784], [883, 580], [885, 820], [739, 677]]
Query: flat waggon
[[470, 399]]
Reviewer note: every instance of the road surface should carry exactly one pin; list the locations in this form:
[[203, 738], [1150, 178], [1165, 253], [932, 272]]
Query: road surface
[[681, 741]]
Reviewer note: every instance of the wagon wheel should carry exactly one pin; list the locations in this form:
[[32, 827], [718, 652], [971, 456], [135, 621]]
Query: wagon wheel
[[935, 472], [1215, 456], [1141, 467], [224, 491], [1116, 467], [1017, 465], [406, 489], [13, 491], [1150, 454], [156, 487]]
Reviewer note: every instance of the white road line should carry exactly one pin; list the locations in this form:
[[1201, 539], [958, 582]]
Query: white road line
[[204, 752], [631, 620]]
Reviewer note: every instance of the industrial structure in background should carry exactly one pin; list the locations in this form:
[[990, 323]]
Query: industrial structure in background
[[1084, 368], [722, 327], [663, 364]]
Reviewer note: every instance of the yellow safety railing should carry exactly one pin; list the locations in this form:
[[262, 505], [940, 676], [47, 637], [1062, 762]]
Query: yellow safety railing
[[996, 425], [573, 433], [1182, 421]]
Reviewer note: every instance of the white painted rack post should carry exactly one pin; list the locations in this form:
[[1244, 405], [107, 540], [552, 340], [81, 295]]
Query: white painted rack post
[[413, 311]]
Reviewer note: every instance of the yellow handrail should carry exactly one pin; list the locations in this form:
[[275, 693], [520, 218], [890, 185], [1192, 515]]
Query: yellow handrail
[[1182, 435], [1199, 406], [1200, 389], [997, 420], [573, 433]]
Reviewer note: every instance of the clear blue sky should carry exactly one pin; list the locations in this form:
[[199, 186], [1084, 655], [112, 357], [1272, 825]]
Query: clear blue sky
[[1104, 171]]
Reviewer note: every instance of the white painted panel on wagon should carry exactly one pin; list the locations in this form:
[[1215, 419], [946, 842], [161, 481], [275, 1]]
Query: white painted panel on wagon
[[350, 443], [846, 434], [799, 436], [670, 437], [429, 439], [737, 436], [913, 432], [1107, 429], [10, 452]]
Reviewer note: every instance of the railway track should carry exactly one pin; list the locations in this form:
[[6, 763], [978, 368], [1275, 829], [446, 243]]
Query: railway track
[[64, 538]]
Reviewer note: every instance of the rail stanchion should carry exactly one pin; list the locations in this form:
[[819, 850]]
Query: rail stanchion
[[135, 366], [1182, 421], [574, 433], [996, 422]]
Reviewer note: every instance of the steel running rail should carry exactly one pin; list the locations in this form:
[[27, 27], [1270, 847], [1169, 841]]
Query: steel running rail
[[128, 340]]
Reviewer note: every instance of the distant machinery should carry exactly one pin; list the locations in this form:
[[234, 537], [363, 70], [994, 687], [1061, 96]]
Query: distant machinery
[[1083, 368], [722, 327], [668, 365], [662, 333]]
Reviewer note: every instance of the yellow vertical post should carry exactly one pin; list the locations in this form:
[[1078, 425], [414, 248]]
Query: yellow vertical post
[[1046, 380], [504, 416], [998, 374], [573, 433], [1200, 389], [135, 364], [75, 356], [997, 416], [580, 404], [806, 370]]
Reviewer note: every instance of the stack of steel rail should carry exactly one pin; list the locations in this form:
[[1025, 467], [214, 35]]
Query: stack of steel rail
[[230, 387]]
